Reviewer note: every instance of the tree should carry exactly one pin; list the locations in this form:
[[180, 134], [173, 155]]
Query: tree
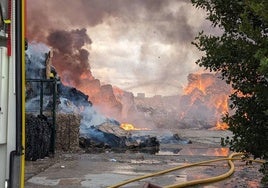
[[240, 54]]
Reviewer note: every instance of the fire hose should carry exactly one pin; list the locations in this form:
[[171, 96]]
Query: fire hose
[[230, 158]]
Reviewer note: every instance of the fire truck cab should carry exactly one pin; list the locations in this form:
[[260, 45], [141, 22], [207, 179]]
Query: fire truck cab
[[12, 131]]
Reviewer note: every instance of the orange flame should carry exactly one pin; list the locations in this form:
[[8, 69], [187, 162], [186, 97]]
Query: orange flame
[[222, 152], [221, 105], [221, 125], [198, 83], [130, 127], [214, 95]]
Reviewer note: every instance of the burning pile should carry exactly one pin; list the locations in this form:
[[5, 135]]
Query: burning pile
[[205, 101], [76, 116], [71, 60], [130, 127], [109, 136], [201, 106]]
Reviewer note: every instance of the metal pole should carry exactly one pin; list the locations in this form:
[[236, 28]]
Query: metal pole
[[41, 99], [54, 128]]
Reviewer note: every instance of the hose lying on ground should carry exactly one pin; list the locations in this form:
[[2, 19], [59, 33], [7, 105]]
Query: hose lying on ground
[[231, 157]]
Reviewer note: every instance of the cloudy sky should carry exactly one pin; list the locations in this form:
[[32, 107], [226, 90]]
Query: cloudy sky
[[136, 45]]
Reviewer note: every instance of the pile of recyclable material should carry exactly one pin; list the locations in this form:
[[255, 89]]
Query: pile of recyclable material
[[38, 139]]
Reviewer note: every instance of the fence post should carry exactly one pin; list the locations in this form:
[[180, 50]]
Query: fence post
[[41, 98], [54, 127]]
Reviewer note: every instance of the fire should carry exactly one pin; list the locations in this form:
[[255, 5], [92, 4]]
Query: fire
[[127, 126], [198, 83], [221, 125], [130, 127], [221, 105], [205, 91], [222, 152]]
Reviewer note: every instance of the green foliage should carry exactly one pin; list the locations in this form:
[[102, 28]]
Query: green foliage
[[240, 54]]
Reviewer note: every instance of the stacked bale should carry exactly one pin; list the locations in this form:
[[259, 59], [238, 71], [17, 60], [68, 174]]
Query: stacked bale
[[38, 137], [67, 136]]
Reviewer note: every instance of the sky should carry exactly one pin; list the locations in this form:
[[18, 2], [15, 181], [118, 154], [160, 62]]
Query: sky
[[141, 46]]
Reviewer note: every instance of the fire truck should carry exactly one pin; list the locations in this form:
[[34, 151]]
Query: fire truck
[[12, 87]]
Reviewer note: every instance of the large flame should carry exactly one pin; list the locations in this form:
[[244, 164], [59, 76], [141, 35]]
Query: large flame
[[213, 93], [130, 127], [198, 83]]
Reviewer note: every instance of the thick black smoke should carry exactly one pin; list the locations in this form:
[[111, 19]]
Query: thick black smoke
[[70, 58]]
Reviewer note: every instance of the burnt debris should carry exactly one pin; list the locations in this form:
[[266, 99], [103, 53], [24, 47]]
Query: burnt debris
[[74, 95], [112, 137]]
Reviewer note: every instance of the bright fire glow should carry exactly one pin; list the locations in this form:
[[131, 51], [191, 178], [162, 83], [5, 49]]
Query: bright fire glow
[[221, 126], [130, 127], [198, 83], [222, 152], [214, 96]]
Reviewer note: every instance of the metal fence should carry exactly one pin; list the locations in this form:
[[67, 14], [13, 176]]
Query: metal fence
[[41, 99]]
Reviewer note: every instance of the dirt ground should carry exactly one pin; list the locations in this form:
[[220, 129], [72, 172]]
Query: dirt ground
[[99, 170]]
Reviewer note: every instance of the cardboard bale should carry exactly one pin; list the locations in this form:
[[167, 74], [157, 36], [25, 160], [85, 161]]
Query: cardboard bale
[[67, 132], [38, 137]]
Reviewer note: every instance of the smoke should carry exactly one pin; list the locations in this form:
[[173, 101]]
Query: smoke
[[70, 58], [138, 45], [142, 46], [35, 59]]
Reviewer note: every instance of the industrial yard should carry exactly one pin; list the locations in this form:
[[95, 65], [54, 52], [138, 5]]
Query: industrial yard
[[99, 170]]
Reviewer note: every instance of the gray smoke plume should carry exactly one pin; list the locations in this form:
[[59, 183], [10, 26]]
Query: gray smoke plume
[[142, 46], [139, 45]]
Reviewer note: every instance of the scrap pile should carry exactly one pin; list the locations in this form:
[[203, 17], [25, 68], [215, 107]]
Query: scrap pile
[[111, 136]]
